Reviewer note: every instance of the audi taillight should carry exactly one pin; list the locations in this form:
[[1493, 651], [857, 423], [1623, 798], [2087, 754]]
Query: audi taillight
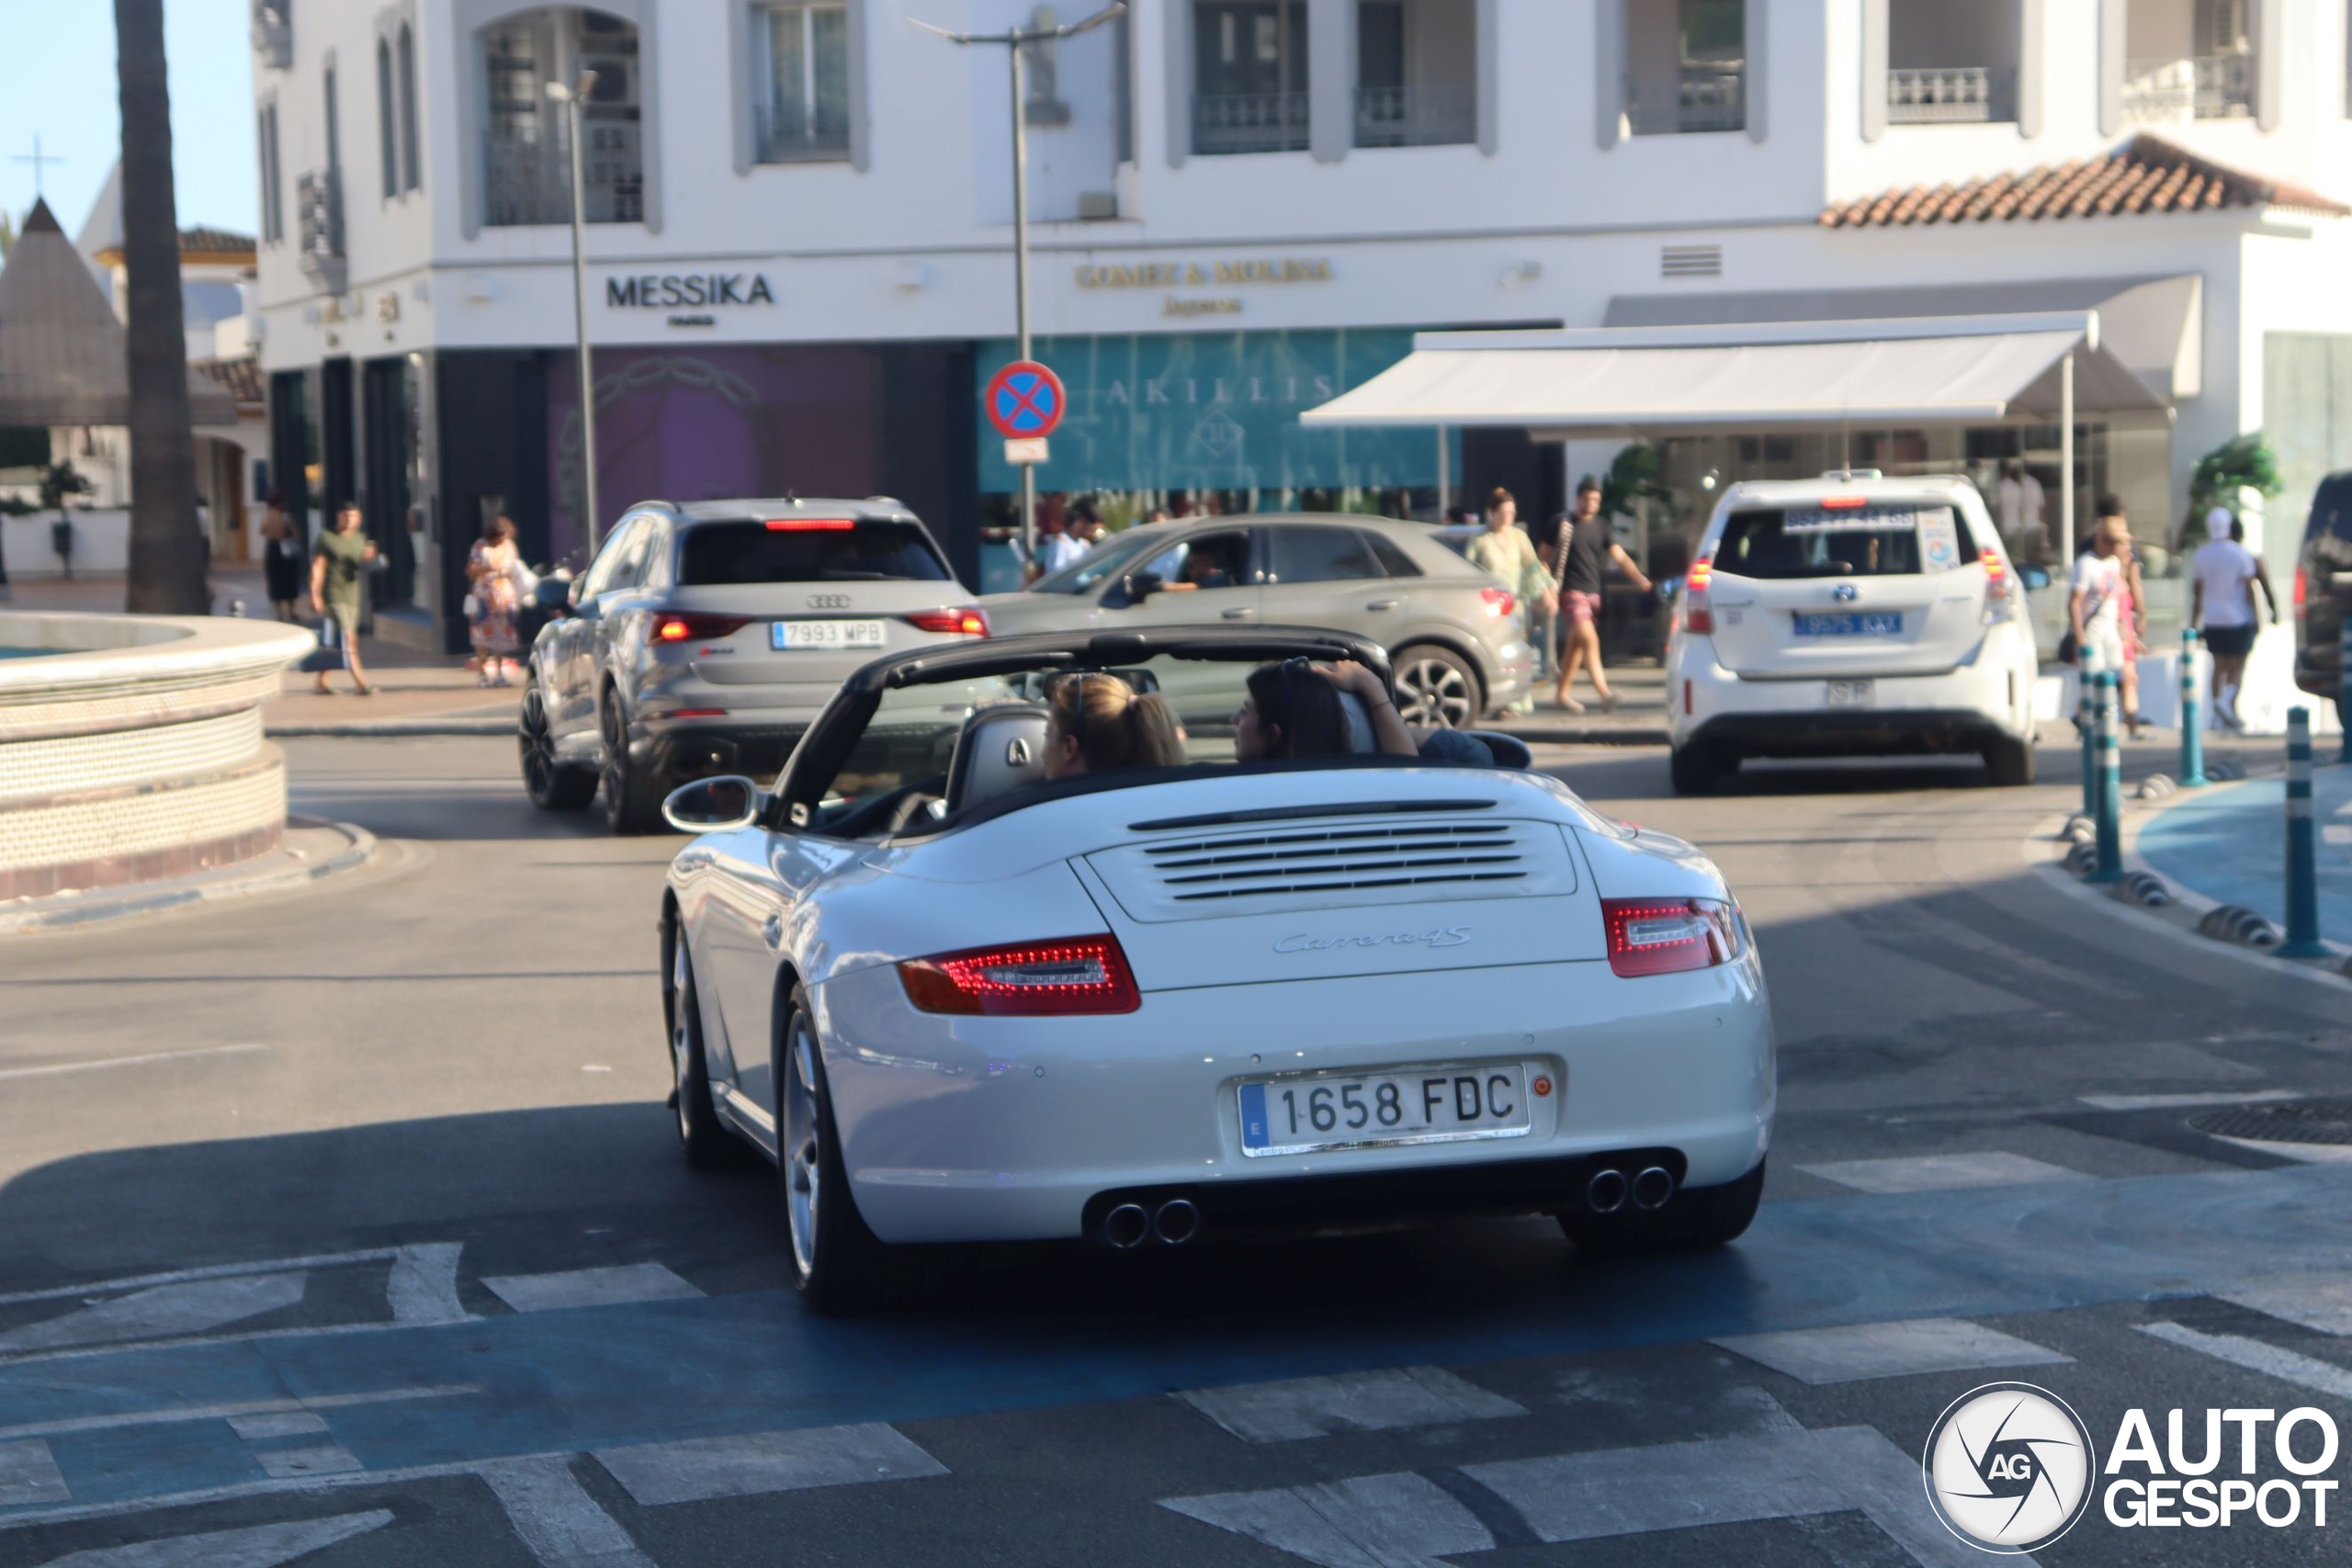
[[1666, 936], [1499, 602], [969, 622], [1029, 979], [697, 628], [1697, 616]]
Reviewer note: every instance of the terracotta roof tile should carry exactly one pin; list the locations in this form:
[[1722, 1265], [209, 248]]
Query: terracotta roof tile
[[241, 376], [2145, 174]]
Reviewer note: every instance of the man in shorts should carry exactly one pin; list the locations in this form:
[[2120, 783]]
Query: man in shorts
[[2223, 576], [1586, 549], [339, 565]]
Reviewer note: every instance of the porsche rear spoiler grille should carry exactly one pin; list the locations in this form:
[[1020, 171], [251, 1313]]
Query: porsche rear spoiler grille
[[1333, 860], [1281, 813]]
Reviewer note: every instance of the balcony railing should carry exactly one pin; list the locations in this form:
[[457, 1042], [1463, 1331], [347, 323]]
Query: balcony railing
[[1706, 98], [1950, 95], [318, 216], [2209, 86], [1249, 122], [1426, 114], [791, 136], [529, 179]]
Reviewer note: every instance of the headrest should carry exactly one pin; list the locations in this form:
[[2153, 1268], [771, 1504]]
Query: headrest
[[1359, 736], [999, 750]]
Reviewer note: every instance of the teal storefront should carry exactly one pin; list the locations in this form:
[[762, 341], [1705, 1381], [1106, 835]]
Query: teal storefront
[[1156, 416]]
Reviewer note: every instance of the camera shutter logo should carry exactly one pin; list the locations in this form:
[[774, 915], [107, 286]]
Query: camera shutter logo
[[2009, 1468]]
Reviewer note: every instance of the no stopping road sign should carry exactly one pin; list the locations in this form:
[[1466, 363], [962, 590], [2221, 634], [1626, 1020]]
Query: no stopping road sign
[[1023, 400]]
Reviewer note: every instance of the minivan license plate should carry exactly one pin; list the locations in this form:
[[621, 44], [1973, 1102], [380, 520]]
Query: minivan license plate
[[1855, 622], [821, 636], [1414, 1105], [1852, 694]]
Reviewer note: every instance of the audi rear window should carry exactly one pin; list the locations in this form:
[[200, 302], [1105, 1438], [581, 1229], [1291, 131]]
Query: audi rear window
[[718, 554], [1882, 539]]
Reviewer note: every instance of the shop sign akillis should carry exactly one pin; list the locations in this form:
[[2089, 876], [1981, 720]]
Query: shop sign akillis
[[1170, 276]]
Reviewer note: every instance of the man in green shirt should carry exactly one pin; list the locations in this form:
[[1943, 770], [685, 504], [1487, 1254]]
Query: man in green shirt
[[338, 578]]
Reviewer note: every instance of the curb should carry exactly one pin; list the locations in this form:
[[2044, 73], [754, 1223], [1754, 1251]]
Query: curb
[[1568, 735], [363, 728], [360, 848]]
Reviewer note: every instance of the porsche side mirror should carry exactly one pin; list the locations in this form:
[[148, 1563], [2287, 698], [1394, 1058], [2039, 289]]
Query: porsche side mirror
[[718, 804]]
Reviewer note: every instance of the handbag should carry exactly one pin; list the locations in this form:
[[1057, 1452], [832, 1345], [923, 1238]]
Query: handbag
[[470, 608], [329, 654]]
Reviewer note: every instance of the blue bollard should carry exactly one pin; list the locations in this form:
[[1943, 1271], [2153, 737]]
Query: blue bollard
[[2110, 783], [2192, 714], [2086, 682], [2303, 845]]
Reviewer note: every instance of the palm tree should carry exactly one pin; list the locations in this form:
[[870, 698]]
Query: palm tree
[[166, 551]]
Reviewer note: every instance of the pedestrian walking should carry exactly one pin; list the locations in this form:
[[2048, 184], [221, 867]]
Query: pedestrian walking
[[2222, 579], [281, 556], [1504, 551], [339, 567], [2095, 606], [2131, 608], [1587, 550], [490, 615], [2022, 504]]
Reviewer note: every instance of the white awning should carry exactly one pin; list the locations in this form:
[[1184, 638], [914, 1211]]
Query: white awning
[[1751, 377]]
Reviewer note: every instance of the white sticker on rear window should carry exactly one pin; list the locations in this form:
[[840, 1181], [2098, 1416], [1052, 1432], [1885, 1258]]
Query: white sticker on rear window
[[1824, 520], [1939, 539]]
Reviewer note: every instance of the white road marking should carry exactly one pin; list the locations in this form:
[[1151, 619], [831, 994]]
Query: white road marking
[[1819, 1356], [1939, 1173], [1372, 1521], [327, 1458], [276, 1424], [558, 1520], [699, 1469], [209, 1271], [1354, 1402], [50, 1070], [2321, 1301], [1727, 1481], [231, 1411], [2303, 1372], [423, 1287], [29, 1474], [2185, 1101], [260, 1546], [590, 1287], [161, 1311]]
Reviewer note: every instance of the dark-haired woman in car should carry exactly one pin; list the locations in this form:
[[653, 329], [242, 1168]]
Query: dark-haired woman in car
[[1293, 711]]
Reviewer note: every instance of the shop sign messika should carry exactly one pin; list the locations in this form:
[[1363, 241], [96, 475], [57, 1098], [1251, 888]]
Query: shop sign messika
[[688, 291]]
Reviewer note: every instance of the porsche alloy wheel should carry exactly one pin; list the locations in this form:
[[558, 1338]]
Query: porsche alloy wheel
[[1434, 686], [700, 1137], [836, 1261]]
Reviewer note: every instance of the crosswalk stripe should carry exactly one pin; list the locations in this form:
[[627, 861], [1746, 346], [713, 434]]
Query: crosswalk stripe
[[29, 1474], [258, 1546], [327, 1458], [194, 1307], [1935, 1173], [1372, 1521], [1354, 1402], [698, 1469], [1866, 1350], [557, 1519], [2321, 1302], [615, 1286], [2287, 1366]]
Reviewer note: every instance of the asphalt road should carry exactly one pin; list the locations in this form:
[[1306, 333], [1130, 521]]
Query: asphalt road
[[346, 1227]]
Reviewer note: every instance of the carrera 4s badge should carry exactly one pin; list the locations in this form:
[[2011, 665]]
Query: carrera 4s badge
[[1442, 936]]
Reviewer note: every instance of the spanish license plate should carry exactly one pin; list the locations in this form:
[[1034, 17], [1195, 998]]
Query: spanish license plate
[[1357, 1110], [818, 637], [1852, 623], [1852, 694]]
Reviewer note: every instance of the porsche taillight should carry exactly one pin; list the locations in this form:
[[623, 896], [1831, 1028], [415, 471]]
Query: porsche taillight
[[1067, 975], [1665, 936], [1698, 615]]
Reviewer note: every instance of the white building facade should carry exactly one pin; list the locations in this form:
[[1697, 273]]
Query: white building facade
[[798, 237]]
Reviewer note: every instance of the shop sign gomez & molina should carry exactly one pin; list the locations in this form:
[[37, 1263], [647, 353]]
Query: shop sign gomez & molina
[[1170, 276]]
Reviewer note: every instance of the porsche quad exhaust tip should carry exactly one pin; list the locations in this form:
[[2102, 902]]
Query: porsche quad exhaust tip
[[1125, 1227], [1607, 1192], [1176, 1222], [1653, 1188]]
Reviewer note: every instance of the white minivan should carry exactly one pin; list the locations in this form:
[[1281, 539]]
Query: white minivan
[[1850, 614]]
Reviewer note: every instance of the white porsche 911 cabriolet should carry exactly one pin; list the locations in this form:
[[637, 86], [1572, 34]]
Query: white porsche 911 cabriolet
[[955, 1001]]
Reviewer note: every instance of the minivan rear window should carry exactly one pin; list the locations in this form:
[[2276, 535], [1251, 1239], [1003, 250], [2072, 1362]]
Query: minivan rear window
[[1883, 539], [718, 553]]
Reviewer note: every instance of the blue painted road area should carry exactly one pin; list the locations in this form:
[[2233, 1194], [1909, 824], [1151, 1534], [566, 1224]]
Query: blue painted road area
[[454, 1395], [2230, 842]]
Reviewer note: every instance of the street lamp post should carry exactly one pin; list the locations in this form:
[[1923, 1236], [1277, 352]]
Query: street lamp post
[[1014, 41], [573, 95]]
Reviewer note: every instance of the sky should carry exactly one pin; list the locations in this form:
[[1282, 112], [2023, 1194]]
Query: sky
[[62, 88]]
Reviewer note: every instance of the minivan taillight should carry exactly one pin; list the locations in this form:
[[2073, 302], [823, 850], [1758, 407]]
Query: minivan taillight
[[1071, 975], [1998, 584], [697, 628], [1697, 616], [967, 622], [1665, 936], [2303, 591]]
